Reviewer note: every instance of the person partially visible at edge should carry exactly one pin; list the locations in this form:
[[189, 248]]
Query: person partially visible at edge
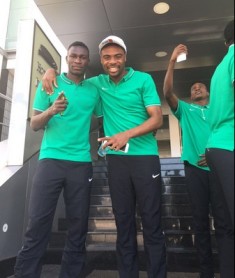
[[132, 111], [194, 121], [64, 165], [220, 145]]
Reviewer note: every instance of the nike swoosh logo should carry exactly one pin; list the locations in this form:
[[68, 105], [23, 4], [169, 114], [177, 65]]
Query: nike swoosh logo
[[90, 180], [155, 176]]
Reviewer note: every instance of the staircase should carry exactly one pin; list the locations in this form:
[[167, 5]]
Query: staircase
[[176, 219]]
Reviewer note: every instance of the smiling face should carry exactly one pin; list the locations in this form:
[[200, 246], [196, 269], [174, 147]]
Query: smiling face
[[77, 60], [199, 92], [113, 60]]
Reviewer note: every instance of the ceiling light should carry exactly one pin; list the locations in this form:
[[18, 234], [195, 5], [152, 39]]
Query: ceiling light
[[161, 8], [160, 54]]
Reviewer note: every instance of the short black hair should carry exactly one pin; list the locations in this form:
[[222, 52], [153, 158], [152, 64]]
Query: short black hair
[[229, 32], [78, 43], [198, 82]]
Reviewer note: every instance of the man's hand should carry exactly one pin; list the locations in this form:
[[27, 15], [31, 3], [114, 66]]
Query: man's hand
[[177, 51], [58, 106], [49, 81], [115, 142], [202, 162], [40, 119]]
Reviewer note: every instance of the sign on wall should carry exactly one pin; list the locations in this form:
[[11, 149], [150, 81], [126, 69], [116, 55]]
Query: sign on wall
[[44, 56]]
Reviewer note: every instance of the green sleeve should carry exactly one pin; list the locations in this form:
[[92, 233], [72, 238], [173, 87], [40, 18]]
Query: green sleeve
[[150, 94], [41, 100]]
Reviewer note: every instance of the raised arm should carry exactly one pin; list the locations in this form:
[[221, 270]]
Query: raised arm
[[168, 89], [49, 80]]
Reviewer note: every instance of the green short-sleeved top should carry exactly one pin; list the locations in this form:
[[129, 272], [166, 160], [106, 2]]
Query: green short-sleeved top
[[66, 137], [195, 127], [125, 107], [222, 104]]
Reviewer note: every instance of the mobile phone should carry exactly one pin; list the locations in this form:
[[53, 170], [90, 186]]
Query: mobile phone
[[62, 97], [125, 148], [181, 57]]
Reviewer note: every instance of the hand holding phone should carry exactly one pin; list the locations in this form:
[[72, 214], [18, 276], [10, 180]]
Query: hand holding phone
[[104, 150]]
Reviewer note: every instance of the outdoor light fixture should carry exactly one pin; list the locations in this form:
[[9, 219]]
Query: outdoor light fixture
[[160, 54], [161, 8]]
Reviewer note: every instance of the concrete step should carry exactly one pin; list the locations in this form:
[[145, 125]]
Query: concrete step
[[171, 199], [168, 180], [100, 187], [167, 210], [168, 223], [181, 240], [174, 189]]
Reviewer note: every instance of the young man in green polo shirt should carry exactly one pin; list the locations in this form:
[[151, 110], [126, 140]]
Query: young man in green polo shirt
[[194, 122], [220, 145], [64, 164], [132, 112], [221, 141]]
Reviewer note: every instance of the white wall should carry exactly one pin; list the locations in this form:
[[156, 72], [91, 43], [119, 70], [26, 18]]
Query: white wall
[[4, 13]]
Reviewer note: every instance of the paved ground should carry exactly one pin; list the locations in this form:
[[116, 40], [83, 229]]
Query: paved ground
[[51, 271]]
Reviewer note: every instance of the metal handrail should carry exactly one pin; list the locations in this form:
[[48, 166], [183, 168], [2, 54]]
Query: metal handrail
[[5, 97]]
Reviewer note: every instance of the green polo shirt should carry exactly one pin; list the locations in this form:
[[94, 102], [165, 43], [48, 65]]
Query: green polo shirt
[[125, 107], [195, 127], [66, 137], [222, 104]]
